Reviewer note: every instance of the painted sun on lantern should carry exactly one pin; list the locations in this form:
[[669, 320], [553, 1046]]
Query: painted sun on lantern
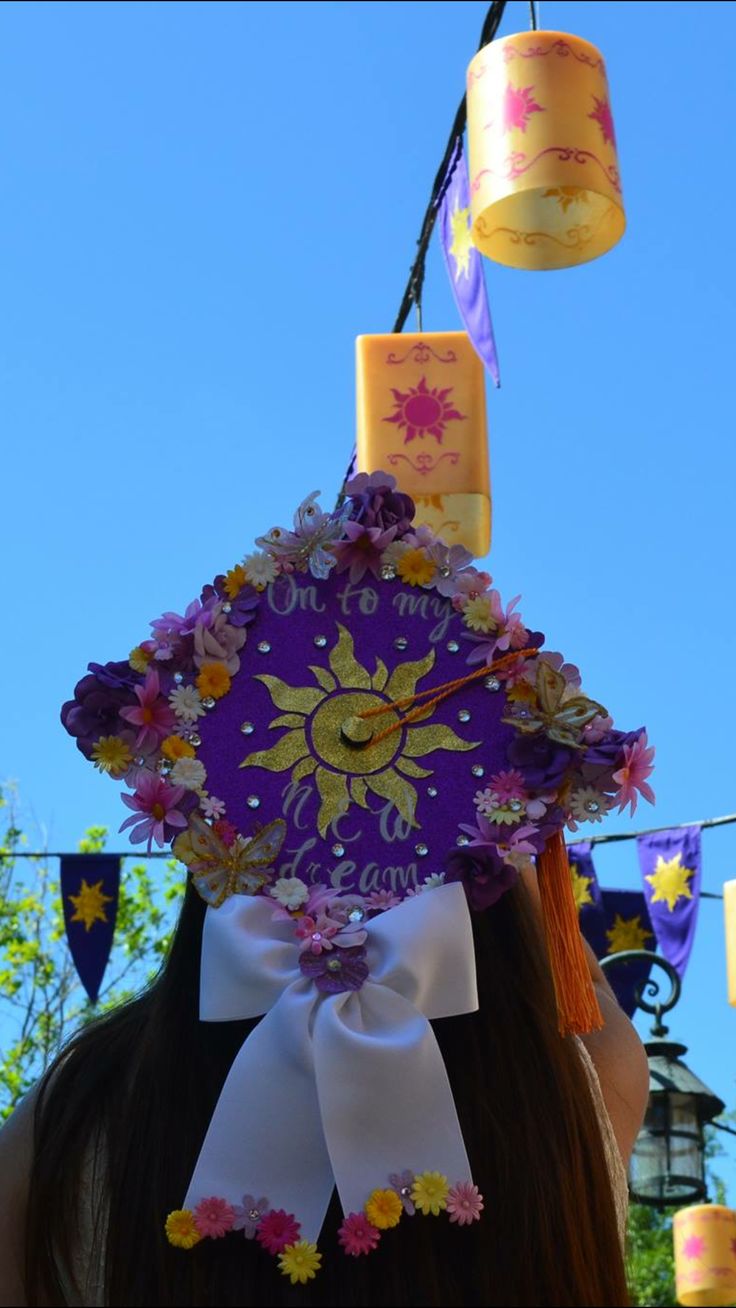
[[314, 743], [422, 411]]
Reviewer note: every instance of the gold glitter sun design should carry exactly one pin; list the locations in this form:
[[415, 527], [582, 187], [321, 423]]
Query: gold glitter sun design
[[89, 904], [314, 743]]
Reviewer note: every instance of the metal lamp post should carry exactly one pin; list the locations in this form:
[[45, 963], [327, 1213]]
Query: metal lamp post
[[668, 1163]]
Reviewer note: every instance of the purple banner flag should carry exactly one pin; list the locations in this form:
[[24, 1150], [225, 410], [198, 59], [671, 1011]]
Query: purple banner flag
[[465, 266], [611, 922], [670, 865], [585, 887], [90, 884]]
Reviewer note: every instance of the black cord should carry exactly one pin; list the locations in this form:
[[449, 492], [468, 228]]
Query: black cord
[[533, 20]]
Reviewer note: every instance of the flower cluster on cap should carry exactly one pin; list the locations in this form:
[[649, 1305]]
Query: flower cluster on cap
[[137, 720]]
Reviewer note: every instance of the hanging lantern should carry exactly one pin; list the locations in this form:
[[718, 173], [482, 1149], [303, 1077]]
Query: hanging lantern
[[422, 417], [729, 912], [705, 1255], [544, 180]]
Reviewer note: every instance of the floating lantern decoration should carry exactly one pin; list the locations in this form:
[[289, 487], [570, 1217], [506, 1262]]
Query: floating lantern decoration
[[705, 1255], [729, 912], [544, 179], [422, 416]]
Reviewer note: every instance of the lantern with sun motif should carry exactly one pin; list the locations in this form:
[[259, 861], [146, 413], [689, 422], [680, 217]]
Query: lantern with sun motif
[[422, 414], [705, 1255], [544, 180]]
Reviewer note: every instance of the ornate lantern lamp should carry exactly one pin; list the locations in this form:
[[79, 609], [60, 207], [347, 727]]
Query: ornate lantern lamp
[[668, 1162]]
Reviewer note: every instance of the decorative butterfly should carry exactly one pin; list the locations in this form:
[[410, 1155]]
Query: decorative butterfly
[[219, 870], [561, 721], [307, 547]]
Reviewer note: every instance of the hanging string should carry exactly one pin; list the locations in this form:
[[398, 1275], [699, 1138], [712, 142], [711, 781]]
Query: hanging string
[[533, 16]]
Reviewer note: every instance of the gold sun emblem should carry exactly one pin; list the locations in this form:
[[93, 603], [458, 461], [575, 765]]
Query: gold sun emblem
[[462, 241], [670, 880], [328, 739], [627, 933], [89, 904], [580, 887]]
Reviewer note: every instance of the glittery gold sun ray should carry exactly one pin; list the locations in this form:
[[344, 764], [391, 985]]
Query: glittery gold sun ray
[[295, 699], [333, 792], [325, 678], [349, 672], [287, 751], [380, 676], [404, 678], [287, 720], [411, 769], [304, 769], [425, 740], [358, 791], [389, 785]]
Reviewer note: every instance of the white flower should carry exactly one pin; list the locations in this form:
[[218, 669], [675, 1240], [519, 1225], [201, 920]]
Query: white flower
[[290, 892], [188, 772], [394, 551], [186, 702], [260, 569], [485, 801], [588, 804], [435, 879], [211, 807]]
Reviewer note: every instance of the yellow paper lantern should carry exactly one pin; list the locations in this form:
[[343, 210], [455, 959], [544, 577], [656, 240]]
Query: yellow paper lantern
[[544, 179], [705, 1255], [421, 415], [729, 913]]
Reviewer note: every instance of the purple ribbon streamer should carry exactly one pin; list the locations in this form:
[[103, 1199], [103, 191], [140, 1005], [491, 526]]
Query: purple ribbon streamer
[[466, 271]]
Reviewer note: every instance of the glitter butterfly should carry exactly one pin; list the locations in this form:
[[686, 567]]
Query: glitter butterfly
[[307, 547], [562, 721], [219, 870]]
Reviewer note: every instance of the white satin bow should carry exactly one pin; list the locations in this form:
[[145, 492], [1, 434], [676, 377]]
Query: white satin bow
[[334, 1089]]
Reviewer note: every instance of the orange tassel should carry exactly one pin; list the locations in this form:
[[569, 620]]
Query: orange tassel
[[578, 1010]]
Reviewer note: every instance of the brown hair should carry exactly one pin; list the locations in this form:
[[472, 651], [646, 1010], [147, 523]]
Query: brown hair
[[132, 1096]]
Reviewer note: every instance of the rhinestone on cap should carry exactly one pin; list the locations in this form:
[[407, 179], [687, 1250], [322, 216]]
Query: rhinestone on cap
[[401, 642], [478, 770], [492, 683], [247, 728], [356, 914], [388, 572], [462, 839], [463, 715], [320, 641], [263, 647], [453, 647], [209, 701], [422, 849], [432, 792], [338, 850], [253, 801]]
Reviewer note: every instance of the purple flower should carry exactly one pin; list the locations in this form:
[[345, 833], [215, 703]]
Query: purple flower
[[248, 1216], [118, 675], [542, 761], [362, 550], [242, 608], [95, 710], [375, 502], [335, 970], [403, 1184], [173, 624], [485, 877], [452, 561]]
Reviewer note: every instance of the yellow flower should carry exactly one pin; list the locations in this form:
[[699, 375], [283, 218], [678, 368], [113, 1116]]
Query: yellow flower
[[477, 614], [300, 1261], [180, 1229], [111, 754], [174, 747], [234, 581], [139, 659], [214, 680], [415, 568], [522, 693], [429, 1192], [384, 1209]]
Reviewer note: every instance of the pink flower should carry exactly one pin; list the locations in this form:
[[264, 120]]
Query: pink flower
[[594, 732], [214, 1217], [155, 812], [508, 785], [464, 1203], [569, 671], [323, 932], [451, 562], [509, 632], [154, 717], [219, 643], [226, 831], [276, 1230], [380, 900], [632, 776], [469, 584], [357, 1235], [361, 552]]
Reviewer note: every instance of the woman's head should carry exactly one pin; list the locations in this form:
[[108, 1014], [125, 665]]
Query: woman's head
[[137, 1089]]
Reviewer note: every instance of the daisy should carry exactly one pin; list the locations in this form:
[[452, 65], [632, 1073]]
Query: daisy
[[189, 773], [290, 892], [186, 702], [211, 807], [214, 1217], [464, 1203], [260, 570], [357, 1235]]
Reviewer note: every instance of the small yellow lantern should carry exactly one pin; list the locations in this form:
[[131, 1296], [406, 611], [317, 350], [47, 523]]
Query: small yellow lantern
[[421, 415], [705, 1255], [729, 913], [544, 181]]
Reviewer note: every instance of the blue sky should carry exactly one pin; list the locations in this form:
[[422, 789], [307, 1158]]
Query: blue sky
[[203, 205]]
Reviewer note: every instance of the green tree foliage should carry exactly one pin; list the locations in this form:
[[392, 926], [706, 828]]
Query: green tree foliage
[[41, 999]]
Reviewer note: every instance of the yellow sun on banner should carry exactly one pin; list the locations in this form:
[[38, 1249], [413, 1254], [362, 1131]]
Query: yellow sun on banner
[[670, 880], [462, 242], [627, 933], [89, 904], [580, 887], [321, 739]]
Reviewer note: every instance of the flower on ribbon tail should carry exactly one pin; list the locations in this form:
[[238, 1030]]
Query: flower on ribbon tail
[[300, 1262], [335, 971], [403, 1184], [181, 1230], [430, 1192], [156, 812], [632, 777], [362, 550], [276, 1230], [384, 1209], [464, 1203], [214, 1217], [248, 1215], [357, 1235], [152, 715]]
